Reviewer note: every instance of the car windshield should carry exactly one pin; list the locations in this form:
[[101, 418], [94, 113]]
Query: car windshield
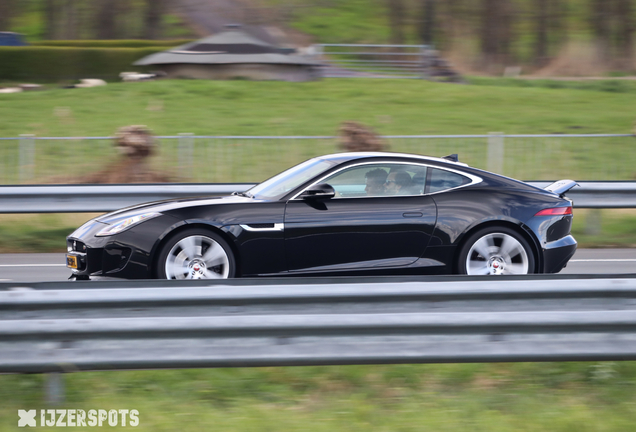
[[279, 185]]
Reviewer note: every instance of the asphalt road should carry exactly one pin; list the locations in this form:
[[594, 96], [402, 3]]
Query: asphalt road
[[51, 267]]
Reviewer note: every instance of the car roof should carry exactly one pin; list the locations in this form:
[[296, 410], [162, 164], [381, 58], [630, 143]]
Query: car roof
[[344, 157]]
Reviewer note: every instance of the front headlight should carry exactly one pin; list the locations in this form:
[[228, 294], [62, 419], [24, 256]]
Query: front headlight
[[124, 224]]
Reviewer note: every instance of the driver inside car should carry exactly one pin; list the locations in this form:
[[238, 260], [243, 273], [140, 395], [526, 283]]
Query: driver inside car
[[375, 182]]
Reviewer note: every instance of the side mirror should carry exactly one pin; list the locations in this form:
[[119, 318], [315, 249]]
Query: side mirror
[[319, 191]]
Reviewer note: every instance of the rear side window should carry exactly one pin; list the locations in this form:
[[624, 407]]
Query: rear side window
[[442, 180]]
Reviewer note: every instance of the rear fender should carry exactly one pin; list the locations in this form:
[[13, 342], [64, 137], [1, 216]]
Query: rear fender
[[521, 229]]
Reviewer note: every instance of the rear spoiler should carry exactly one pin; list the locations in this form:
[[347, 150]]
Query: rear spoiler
[[561, 187]]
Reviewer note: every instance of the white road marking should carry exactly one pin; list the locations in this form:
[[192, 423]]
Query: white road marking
[[605, 260], [32, 265]]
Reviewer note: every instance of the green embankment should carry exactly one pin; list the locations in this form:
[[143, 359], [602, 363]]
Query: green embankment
[[317, 108]]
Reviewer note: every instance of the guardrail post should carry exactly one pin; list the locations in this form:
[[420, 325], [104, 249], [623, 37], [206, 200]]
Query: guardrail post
[[54, 386], [26, 157], [593, 222], [185, 151], [495, 152]]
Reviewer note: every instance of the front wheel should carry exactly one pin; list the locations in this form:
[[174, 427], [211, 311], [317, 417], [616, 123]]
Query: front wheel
[[496, 251], [196, 254]]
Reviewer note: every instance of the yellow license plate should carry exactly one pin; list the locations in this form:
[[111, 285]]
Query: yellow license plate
[[71, 261]]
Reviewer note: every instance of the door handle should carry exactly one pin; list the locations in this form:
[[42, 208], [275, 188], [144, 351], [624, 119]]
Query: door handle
[[412, 214]]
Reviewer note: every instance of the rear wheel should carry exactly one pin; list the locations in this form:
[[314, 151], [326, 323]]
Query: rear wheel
[[196, 254], [496, 251]]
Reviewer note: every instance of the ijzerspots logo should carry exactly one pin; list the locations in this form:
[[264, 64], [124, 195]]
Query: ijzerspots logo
[[77, 418]]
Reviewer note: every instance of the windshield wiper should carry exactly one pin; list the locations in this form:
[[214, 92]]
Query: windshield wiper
[[243, 194]]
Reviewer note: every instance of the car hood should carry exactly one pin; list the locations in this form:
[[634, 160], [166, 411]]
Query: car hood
[[167, 205]]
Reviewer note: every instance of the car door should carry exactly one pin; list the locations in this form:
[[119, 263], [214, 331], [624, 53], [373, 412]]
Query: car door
[[361, 227]]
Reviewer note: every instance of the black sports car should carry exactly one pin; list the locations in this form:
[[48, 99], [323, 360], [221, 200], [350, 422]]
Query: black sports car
[[346, 213]]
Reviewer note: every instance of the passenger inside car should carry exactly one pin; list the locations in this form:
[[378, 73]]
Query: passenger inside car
[[398, 183]]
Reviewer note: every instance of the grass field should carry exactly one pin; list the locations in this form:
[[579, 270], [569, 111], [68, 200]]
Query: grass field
[[523, 397], [393, 107]]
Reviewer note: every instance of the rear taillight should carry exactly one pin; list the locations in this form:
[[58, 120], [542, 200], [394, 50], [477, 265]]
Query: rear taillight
[[555, 211]]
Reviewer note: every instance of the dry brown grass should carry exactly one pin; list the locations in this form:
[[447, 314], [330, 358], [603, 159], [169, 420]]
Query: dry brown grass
[[575, 59]]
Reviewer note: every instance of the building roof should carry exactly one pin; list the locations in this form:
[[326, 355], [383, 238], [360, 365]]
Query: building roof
[[227, 48]]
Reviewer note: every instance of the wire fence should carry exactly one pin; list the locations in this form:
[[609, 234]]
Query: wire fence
[[218, 159], [373, 61]]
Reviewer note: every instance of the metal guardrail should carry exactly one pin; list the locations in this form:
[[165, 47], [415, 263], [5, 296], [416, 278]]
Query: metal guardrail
[[600, 195], [120, 325], [103, 198], [100, 198]]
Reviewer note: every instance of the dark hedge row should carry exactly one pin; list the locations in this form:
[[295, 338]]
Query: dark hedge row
[[52, 64], [129, 43]]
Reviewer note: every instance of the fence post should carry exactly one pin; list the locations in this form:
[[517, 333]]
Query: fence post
[[54, 385], [185, 151], [426, 62], [495, 154], [26, 157], [319, 52]]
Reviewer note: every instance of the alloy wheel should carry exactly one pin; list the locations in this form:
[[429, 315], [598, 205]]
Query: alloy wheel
[[197, 257], [497, 254]]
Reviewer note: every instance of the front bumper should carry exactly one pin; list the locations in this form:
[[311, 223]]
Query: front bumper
[[123, 255], [110, 259]]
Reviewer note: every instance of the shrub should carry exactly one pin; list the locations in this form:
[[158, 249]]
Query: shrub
[[51, 64], [130, 43]]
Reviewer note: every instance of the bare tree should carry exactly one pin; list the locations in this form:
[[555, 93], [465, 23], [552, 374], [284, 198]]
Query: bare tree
[[600, 23], [70, 20], [396, 20], [550, 28], [489, 30], [154, 12], [541, 32], [625, 34], [51, 13], [6, 13], [427, 21], [106, 19], [496, 31], [452, 22], [557, 21]]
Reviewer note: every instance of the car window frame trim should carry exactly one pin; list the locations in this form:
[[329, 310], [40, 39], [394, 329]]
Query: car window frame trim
[[473, 180]]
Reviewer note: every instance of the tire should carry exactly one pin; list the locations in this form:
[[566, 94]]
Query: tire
[[196, 254], [496, 251]]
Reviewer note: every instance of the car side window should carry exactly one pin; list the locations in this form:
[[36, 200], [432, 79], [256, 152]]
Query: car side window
[[381, 179], [442, 180]]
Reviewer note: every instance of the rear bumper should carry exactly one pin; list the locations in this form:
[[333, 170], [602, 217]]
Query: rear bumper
[[556, 254]]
